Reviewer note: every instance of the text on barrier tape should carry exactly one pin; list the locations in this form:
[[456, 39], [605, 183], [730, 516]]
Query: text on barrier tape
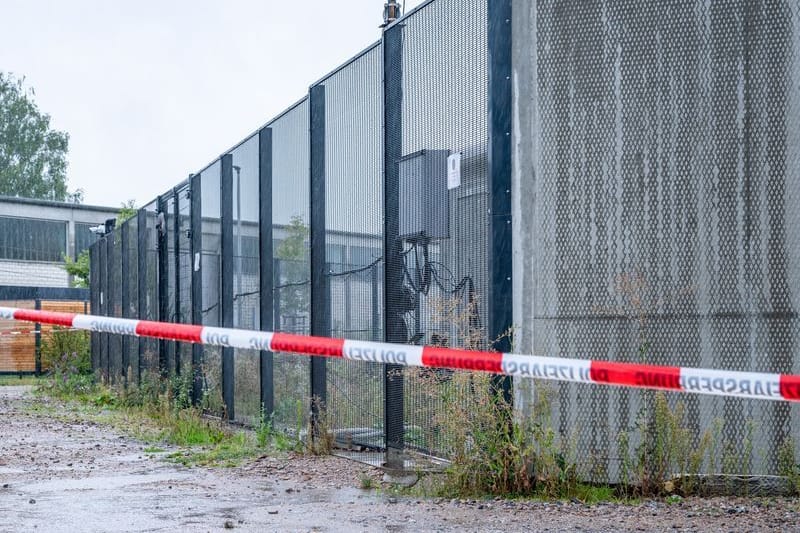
[[695, 380]]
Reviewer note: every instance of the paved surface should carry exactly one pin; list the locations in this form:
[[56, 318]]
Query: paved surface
[[61, 474]]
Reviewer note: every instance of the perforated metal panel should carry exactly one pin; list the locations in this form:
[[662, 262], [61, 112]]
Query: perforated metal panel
[[658, 176]]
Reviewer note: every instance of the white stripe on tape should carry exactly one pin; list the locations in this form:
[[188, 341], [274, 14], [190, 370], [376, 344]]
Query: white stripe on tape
[[546, 367], [236, 338], [731, 383], [124, 326], [377, 352]]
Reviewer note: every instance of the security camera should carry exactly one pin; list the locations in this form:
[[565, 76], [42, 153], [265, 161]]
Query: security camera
[[98, 230]]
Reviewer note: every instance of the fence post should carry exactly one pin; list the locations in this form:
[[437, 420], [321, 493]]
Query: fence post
[[265, 265], [226, 298], [163, 282], [38, 340], [500, 308], [394, 325], [320, 312], [195, 251], [141, 260], [176, 235], [126, 340]]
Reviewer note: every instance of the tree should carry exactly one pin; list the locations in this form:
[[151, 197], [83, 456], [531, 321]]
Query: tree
[[78, 269], [127, 210], [33, 157]]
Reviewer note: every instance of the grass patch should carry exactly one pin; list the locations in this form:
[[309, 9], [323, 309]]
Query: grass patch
[[158, 413], [154, 449]]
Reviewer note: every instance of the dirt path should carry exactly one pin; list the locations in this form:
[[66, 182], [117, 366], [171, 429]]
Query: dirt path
[[58, 475]]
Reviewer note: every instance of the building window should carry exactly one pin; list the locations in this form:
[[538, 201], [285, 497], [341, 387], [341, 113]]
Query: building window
[[28, 239]]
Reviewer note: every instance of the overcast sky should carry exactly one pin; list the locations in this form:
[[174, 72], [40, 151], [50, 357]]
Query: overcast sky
[[152, 90]]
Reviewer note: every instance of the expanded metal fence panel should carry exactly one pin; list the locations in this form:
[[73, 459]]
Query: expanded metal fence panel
[[184, 274], [443, 227], [210, 261], [149, 357], [292, 269], [354, 241], [131, 271], [246, 301], [662, 161]]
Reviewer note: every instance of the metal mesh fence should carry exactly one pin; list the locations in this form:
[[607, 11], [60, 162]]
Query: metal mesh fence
[[114, 258], [149, 358], [442, 227], [656, 169], [292, 269], [354, 241], [130, 270], [246, 281], [662, 140], [210, 256], [183, 278]]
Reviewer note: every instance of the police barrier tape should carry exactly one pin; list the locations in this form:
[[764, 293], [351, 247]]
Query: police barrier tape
[[695, 380]]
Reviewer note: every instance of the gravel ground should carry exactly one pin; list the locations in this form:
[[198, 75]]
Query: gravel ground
[[62, 474]]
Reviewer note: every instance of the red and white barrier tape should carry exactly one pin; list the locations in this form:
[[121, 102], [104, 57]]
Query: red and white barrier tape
[[20, 332], [697, 380]]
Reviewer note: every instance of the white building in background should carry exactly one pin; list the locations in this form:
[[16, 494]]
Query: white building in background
[[35, 235]]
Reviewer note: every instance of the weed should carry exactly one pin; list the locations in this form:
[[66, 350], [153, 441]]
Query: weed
[[154, 449], [366, 482], [787, 463], [321, 438]]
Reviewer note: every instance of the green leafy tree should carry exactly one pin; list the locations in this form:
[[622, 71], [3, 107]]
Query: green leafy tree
[[127, 210], [78, 269], [33, 156]]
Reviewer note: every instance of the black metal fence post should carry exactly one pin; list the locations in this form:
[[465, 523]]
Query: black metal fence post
[[320, 310], [195, 250], [141, 260], [163, 281], [394, 325], [500, 308], [265, 265], [226, 298], [38, 340]]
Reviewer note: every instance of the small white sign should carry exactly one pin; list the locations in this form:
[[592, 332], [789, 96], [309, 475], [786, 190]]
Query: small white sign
[[453, 170], [196, 262]]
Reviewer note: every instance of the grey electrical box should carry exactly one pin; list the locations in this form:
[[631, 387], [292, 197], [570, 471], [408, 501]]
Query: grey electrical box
[[424, 204]]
